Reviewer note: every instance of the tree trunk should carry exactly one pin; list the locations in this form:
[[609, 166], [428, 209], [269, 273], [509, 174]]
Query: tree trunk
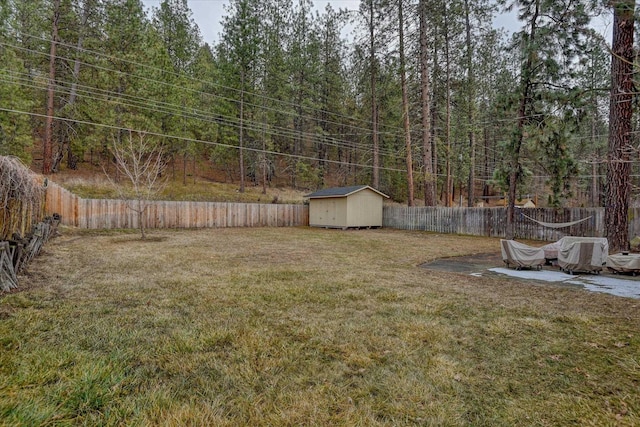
[[425, 99], [64, 145], [620, 116], [184, 169], [485, 186], [471, 108], [405, 109], [595, 199], [263, 155], [141, 218], [525, 88], [47, 154], [241, 136], [434, 118], [374, 107], [447, 58]]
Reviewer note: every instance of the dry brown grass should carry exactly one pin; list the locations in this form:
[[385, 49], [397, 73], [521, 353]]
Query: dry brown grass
[[305, 326], [97, 186]]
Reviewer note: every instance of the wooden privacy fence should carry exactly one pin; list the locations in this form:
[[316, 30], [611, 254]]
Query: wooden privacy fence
[[105, 213], [97, 214], [492, 221]]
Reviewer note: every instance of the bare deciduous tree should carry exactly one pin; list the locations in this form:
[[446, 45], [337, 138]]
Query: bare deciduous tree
[[141, 160]]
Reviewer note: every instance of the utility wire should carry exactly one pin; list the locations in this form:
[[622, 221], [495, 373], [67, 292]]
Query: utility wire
[[188, 89], [257, 126], [192, 113], [173, 73], [185, 139]]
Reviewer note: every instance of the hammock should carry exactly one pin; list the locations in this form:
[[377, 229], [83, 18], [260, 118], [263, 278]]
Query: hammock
[[556, 224]]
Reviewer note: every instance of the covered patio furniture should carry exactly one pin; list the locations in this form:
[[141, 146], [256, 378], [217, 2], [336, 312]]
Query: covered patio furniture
[[624, 263], [583, 254], [551, 250], [519, 255]]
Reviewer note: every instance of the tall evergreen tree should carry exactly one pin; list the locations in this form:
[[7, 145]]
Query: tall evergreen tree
[[550, 42], [428, 173], [80, 27], [238, 51], [205, 72], [15, 129], [180, 34], [47, 142], [591, 145], [304, 56], [332, 87], [496, 75], [275, 110], [620, 116], [128, 76], [181, 40], [373, 65], [405, 105]]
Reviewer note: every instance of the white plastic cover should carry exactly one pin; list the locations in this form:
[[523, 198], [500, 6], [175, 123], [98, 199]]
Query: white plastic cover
[[520, 255]]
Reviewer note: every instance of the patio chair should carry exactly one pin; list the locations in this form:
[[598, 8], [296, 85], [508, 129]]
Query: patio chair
[[520, 255]]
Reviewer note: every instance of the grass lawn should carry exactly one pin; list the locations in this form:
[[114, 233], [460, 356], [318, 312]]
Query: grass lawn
[[98, 187], [299, 326]]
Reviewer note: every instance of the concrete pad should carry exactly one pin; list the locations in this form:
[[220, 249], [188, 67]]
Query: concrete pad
[[595, 283], [610, 285], [482, 264], [544, 275]]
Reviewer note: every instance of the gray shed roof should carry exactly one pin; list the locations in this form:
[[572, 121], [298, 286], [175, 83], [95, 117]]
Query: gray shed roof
[[341, 192]]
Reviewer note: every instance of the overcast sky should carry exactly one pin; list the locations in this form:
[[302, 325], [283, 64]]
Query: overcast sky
[[209, 13]]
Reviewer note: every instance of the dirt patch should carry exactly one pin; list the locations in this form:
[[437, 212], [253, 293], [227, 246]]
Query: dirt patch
[[138, 239], [477, 263]]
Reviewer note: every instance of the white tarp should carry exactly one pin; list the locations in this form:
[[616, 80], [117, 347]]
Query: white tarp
[[587, 254], [519, 255]]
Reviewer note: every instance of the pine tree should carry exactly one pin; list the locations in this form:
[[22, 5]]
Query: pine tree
[[179, 33], [620, 116], [15, 129], [80, 22], [429, 181], [332, 88], [237, 52], [47, 141], [303, 69], [550, 42], [405, 105], [181, 41]]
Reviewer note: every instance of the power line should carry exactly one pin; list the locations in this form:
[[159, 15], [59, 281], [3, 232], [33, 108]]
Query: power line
[[183, 89], [185, 139], [164, 71], [161, 107], [397, 132], [192, 113]]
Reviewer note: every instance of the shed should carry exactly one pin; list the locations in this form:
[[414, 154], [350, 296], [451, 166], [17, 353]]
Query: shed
[[346, 207]]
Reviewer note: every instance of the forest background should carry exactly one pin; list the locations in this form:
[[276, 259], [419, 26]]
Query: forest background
[[425, 99]]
